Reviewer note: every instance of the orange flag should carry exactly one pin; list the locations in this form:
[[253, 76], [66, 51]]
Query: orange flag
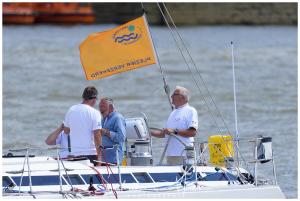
[[121, 49]]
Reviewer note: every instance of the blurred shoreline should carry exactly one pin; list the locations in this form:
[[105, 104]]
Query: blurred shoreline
[[183, 14], [201, 13]]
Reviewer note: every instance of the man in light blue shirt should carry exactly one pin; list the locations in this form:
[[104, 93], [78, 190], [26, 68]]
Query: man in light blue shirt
[[113, 131]]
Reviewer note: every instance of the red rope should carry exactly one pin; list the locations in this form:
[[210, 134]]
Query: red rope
[[99, 175], [108, 167]]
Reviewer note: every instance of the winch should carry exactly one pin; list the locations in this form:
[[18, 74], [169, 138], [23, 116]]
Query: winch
[[138, 142]]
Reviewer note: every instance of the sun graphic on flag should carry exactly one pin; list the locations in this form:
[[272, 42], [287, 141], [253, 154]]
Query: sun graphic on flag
[[131, 28]]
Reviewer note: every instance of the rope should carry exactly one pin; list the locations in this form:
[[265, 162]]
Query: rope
[[109, 169], [199, 74], [194, 64], [100, 177]]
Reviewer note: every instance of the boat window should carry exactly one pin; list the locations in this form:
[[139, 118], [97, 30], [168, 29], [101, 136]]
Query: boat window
[[218, 176], [165, 177], [38, 180], [74, 179], [95, 178], [6, 181], [142, 177], [114, 178]]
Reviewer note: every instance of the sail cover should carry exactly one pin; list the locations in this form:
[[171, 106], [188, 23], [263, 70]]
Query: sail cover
[[121, 49]]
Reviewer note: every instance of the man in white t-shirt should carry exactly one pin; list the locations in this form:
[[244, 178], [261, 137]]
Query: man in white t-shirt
[[183, 122], [83, 124], [59, 137]]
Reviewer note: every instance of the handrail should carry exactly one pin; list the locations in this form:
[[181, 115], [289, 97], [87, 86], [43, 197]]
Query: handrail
[[118, 162], [167, 144], [59, 171], [194, 150], [27, 162]]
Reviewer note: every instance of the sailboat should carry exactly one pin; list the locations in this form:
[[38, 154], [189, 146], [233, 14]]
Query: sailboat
[[211, 169]]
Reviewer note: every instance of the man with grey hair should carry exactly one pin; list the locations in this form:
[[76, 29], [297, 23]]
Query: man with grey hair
[[183, 122], [113, 131]]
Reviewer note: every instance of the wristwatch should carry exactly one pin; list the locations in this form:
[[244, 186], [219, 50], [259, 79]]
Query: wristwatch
[[176, 131]]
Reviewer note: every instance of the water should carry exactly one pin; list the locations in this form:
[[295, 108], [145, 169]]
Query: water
[[43, 77]]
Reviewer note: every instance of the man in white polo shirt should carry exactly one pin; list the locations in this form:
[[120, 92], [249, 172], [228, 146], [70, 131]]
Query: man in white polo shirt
[[83, 124], [183, 122]]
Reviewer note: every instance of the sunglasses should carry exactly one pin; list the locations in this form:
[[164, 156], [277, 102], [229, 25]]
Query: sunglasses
[[93, 97], [175, 95]]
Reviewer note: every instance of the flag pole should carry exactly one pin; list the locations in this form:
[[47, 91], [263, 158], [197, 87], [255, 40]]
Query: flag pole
[[166, 86]]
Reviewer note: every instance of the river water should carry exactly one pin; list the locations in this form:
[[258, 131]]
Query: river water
[[43, 77]]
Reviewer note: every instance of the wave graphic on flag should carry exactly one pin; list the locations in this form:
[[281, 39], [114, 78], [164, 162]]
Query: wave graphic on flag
[[126, 37]]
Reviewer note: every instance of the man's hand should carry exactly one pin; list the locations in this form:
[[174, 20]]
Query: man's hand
[[105, 132], [167, 131], [99, 158]]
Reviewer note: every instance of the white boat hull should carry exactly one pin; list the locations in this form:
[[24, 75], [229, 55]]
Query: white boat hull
[[43, 168], [241, 192]]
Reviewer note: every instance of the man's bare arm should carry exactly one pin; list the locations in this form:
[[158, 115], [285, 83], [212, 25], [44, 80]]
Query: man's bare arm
[[98, 143]]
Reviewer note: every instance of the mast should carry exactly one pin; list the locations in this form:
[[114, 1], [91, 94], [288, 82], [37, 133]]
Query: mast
[[235, 110], [166, 86]]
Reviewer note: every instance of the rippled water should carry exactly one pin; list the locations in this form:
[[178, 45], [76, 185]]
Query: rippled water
[[43, 77]]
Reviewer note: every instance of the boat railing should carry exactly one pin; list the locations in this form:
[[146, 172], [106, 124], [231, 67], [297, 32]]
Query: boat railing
[[261, 154], [27, 162], [116, 147], [195, 156]]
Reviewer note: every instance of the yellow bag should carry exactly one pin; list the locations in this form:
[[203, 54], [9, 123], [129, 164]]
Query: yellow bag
[[220, 147]]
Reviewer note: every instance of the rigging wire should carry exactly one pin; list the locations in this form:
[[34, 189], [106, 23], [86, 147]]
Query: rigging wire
[[199, 74], [194, 64], [176, 42]]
